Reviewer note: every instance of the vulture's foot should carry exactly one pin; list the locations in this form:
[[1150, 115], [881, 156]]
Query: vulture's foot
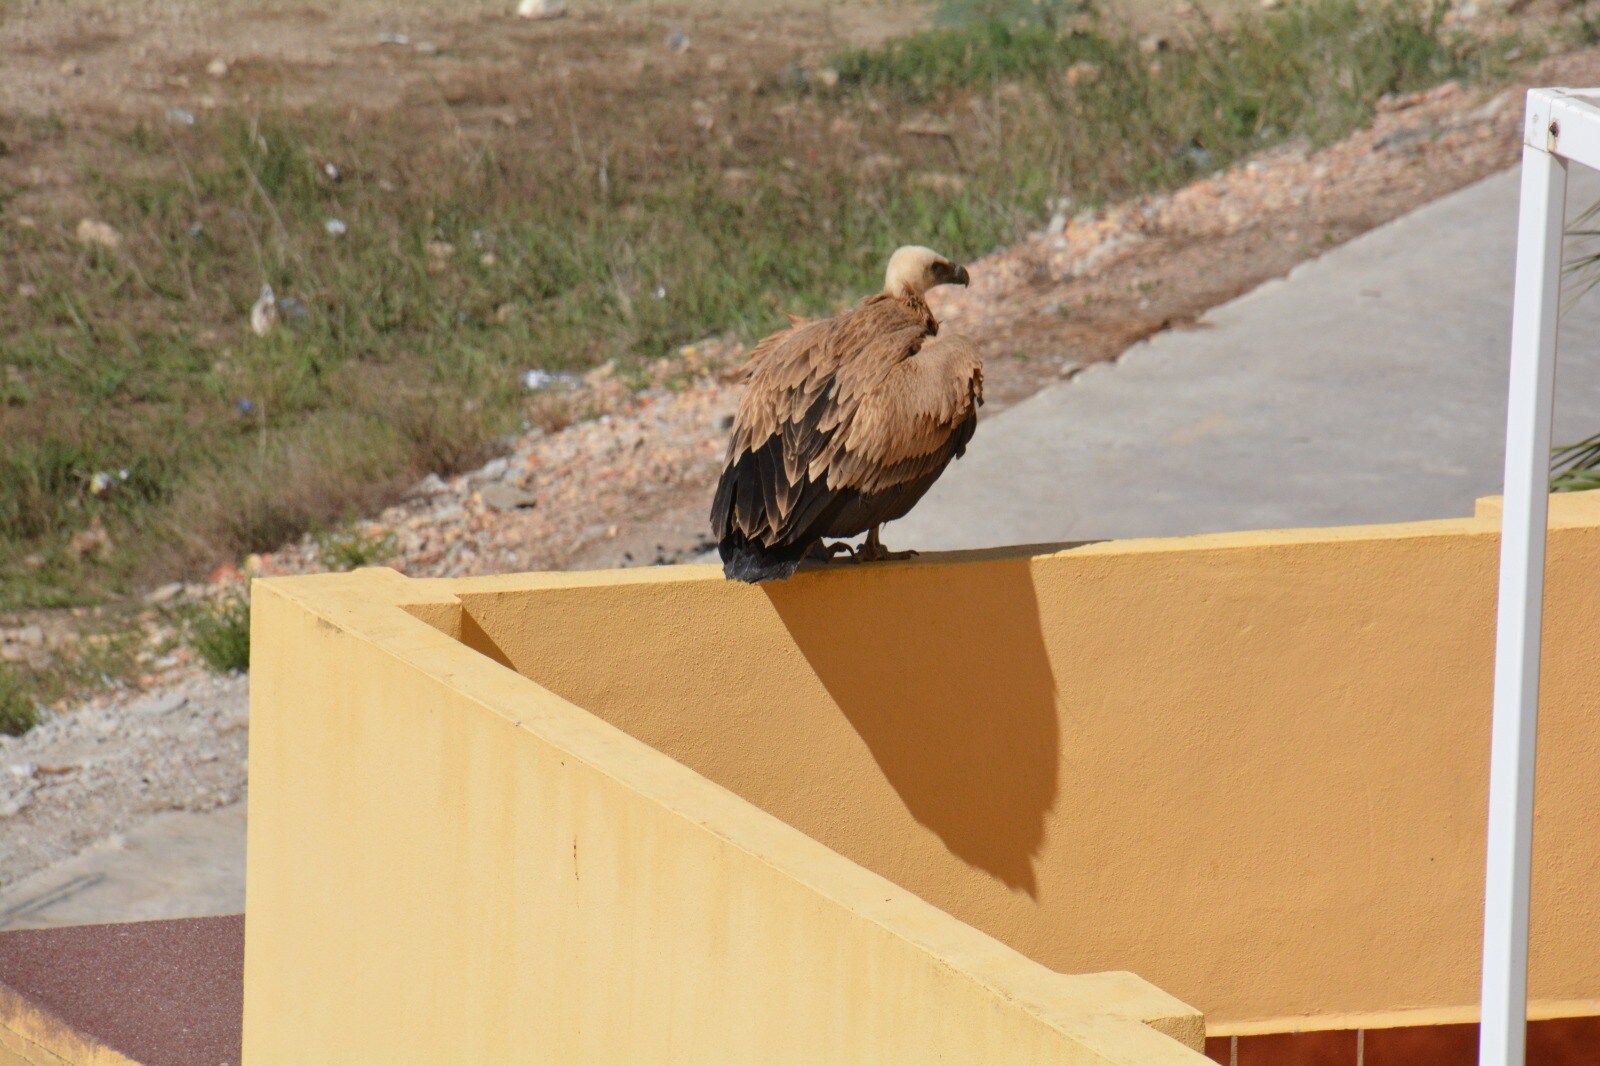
[[873, 551], [827, 552], [877, 553]]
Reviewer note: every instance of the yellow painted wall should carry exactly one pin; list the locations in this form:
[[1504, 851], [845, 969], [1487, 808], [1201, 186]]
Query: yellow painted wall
[[1250, 768], [447, 864]]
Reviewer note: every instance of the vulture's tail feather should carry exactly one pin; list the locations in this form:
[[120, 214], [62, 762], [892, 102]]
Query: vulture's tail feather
[[745, 560]]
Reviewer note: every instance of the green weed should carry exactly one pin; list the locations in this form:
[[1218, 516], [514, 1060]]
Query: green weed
[[348, 549], [220, 633], [18, 710]]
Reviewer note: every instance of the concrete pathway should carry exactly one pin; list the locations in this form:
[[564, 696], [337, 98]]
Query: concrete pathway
[[176, 865], [1367, 386]]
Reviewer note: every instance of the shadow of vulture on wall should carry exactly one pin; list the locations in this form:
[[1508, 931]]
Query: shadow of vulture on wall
[[845, 423]]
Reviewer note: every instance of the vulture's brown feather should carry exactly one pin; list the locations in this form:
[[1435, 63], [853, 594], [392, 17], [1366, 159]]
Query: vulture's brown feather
[[844, 424]]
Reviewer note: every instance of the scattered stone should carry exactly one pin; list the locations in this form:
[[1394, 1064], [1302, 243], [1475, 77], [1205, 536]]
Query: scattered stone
[[264, 312], [335, 227], [71, 68], [1152, 43], [217, 68], [1403, 140], [94, 231], [92, 543], [927, 126], [432, 485], [180, 117], [1082, 72], [540, 380], [394, 38], [165, 704], [293, 310], [944, 183], [425, 48], [828, 78], [677, 42], [502, 497], [332, 173], [439, 254], [1495, 107], [165, 594], [28, 636], [541, 9]]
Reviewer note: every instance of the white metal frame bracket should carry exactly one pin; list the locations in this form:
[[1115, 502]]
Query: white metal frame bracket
[[1562, 125]]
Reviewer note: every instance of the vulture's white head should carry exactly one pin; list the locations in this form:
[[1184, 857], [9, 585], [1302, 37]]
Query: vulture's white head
[[913, 270]]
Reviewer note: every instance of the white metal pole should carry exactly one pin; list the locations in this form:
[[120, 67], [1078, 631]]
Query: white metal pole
[[1516, 666]]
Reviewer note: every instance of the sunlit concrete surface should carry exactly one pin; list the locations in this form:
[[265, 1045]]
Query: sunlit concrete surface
[[1367, 386]]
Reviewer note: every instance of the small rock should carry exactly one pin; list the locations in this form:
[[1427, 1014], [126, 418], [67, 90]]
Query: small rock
[[1071, 369], [331, 172], [502, 497], [293, 309], [494, 469], [217, 68], [425, 48], [165, 594], [828, 78], [16, 805], [394, 38], [180, 117], [31, 636], [1271, 5], [539, 380], [432, 485], [264, 312], [173, 701], [439, 254], [541, 9], [927, 126], [677, 42], [1082, 72], [93, 542], [945, 183], [1151, 43], [1495, 107], [71, 68], [335, 227], [94, 231]]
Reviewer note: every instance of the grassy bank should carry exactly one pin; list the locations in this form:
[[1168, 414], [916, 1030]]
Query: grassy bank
[[425, 256]]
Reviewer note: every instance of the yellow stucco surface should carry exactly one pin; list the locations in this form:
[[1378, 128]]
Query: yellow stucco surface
[[1249, 768], [449, 864]]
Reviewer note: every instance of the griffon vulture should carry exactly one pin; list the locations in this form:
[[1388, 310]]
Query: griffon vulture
[[844, 424]]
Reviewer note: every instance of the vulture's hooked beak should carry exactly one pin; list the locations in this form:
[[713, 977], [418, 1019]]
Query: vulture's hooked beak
[[958, 276]]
